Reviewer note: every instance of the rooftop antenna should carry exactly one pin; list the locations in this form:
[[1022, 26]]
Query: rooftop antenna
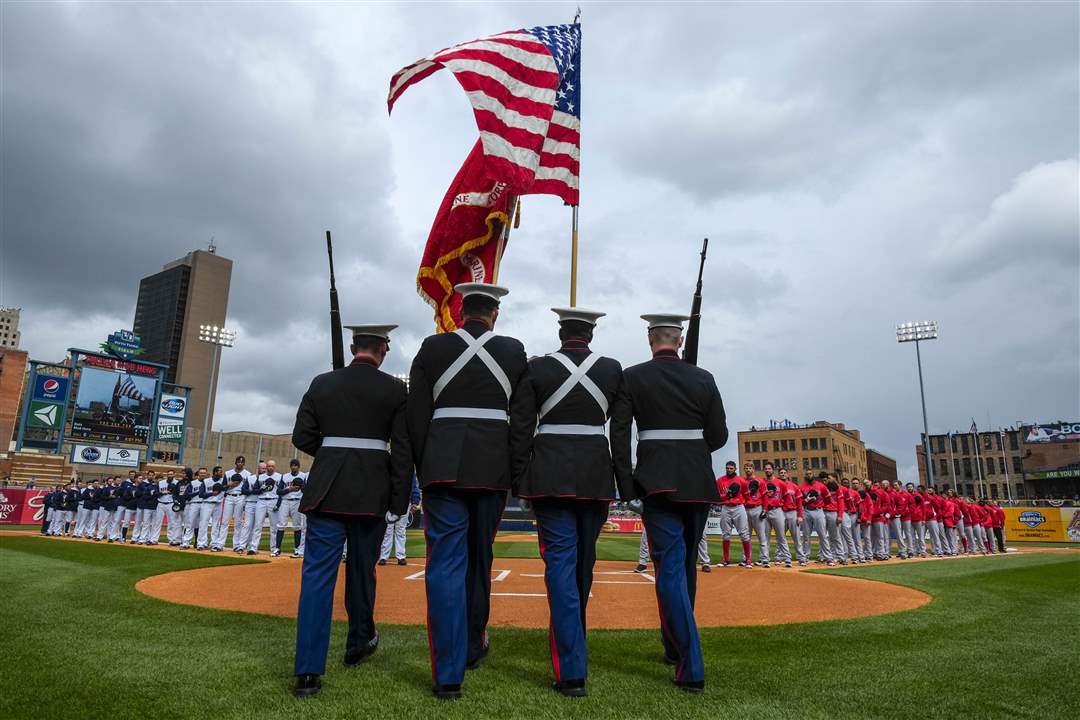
[[213, 248]]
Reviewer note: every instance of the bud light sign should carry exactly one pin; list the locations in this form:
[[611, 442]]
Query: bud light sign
[[171, 412], [47, 387]]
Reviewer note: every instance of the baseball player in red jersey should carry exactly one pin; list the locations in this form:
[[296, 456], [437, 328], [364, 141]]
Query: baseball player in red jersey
[[896, 523], [882, 513], [850, 523], [864, 536], [755, 512], [988, 525], [932, 503], [815, 495], [947, 521], [969, 526], [775, 489], [834, 519], [908, 516], [983, 527], [733, 513], [793, 515], [999, 525]]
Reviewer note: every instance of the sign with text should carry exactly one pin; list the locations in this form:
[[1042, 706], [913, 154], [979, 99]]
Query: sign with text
[[124, 344], [50, 388], [1042, 524], [19, 506], [171, 412], [113, 405], [1052, 432]]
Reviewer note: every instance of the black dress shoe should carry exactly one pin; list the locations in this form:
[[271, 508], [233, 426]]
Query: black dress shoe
[[571, 688], [401, 561], [307, 685], [355, 658], [381, 561], [447, 692], [475, 662], [695, 687]]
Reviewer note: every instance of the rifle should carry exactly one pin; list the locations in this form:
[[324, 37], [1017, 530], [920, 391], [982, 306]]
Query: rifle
[[693, 329], [337, 351]]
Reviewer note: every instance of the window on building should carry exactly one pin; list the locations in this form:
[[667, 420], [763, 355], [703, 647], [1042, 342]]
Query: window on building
[[806, 462], [824, 463], [956, 466], [941, 444], [813, 444], [1001, 463], [988, 441], [989, 466], [1016, 465], [823, 443], [964, 444], [994, 491], [804, 447], [1014, 441], [815, 462], [746, 447], [967, 467], [944, 467], [952, 442], [757, 465]]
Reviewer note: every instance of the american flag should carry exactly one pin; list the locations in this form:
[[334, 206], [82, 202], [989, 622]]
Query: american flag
[[127, 389], [525, 90]]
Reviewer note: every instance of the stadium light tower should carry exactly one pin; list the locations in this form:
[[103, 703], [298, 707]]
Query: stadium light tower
[[219, 337], [916, 332]]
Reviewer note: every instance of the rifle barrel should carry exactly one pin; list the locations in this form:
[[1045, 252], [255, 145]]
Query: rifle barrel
[[337, 350]]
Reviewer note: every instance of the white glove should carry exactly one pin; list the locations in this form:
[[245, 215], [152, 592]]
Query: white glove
[[636, 504], [391, 518]]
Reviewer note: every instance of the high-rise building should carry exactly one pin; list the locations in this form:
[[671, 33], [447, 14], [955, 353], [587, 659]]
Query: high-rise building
[[805, 450], [188, 292], [9, 328]]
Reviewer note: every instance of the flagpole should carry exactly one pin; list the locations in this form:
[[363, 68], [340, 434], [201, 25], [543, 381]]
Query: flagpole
[[504, 235], [573, 258]]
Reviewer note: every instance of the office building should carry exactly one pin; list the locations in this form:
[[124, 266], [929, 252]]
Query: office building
[[186, 293], [9, 328], [805, 449]]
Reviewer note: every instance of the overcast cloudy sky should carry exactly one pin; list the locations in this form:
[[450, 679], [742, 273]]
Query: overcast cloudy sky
[[855, 166]]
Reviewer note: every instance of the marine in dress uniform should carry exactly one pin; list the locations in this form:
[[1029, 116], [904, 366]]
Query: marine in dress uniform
[[460, 387], [562, 465], [353, 421], [680, 419]]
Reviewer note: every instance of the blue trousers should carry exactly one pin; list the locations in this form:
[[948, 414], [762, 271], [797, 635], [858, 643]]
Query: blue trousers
[[567, 531], [326, 535], [674, 531], [459, 526]]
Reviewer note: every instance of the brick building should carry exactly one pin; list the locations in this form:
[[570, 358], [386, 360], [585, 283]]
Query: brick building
[[880, 467], [12, 377], [805, 449]]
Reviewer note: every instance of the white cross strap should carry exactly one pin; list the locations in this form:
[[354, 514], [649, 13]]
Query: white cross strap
[[472, 347], [698, 434], [577, 377], [355, 443]]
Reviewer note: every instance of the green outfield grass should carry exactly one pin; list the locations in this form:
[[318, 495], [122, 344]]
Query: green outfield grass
[[998, 641]]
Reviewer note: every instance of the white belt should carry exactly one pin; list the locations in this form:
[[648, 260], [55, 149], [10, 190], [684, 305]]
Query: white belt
[[356, 443], [671, 434], [570, 430], [470, 413]]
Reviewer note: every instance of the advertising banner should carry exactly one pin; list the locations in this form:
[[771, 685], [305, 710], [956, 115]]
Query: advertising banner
[[171, 412], [113, 406], [89, 454], [122, 457], [1042, 524], [19, 506], [1052, 432], [45, 414], [624, 524], [47, 387]]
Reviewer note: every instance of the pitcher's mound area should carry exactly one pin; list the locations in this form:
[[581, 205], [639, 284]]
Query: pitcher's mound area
[[620, 597]]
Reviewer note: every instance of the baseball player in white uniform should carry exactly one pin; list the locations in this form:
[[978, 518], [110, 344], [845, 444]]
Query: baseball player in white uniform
[[291, 491], [164, 509], [266, 484], [195, 497], [232, 506]]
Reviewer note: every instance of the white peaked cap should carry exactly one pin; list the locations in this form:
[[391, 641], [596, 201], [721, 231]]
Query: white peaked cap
[[495, 292], [382, 331], [659, 320], [578, 313]]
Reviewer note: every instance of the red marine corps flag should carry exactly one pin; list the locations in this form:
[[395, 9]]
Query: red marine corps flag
[[465, 240], [524, 88]]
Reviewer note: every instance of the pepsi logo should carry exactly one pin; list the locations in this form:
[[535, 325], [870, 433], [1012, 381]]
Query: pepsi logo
[[90, 454], [50, 385], [172, 405]]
